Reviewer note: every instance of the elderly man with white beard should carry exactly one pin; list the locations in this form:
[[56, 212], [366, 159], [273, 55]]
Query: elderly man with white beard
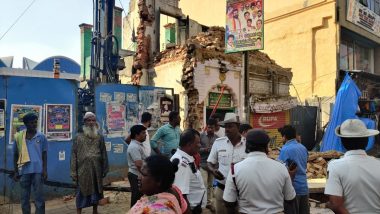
[[89, 164]]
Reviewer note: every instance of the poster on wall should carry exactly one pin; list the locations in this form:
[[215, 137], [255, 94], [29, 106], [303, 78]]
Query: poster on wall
[[244, 25], [2, 117], [166, 106], [362, 16], [149, 101], [17, 115], [58, 122], [116, 122]]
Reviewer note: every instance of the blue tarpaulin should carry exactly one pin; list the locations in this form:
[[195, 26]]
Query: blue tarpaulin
[[346, 106], [370, 125]]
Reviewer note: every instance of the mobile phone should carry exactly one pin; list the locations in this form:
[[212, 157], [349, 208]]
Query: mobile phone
[[291, 164]]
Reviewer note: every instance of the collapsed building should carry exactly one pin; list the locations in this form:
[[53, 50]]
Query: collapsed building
[[172, 50], [200, 70]]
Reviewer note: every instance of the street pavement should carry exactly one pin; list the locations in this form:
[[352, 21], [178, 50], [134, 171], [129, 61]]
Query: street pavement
[[119, 203]]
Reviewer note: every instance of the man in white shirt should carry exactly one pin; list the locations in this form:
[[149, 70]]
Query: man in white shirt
[[135, 158], [220, 131], [146, 121], [258, 184], [188, 178], [224, 152], [353, 182]]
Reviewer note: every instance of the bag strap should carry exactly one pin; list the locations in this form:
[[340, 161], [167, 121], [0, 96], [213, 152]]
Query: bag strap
[[234, 179], [200, 203]]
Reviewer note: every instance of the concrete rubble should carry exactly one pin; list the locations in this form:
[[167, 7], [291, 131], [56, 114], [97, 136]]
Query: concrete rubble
[[316, 164]]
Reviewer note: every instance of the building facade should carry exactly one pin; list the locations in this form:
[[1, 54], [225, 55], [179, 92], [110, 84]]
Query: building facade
[[316, 38]]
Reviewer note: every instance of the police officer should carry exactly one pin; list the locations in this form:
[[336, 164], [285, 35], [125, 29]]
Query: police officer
[[188, 178], [353, 181], [224, 152], [258, 183]]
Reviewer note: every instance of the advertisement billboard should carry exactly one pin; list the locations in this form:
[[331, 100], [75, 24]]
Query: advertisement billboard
[[244, 25]]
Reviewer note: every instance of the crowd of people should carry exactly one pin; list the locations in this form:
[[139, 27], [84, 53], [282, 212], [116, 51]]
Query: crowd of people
[[225, 168]]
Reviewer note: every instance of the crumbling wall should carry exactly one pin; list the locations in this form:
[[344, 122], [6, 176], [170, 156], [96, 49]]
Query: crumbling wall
[[192, 120], [143, 56], [208, 46]]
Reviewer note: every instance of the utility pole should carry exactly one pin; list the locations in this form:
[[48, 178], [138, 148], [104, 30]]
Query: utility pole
[[246, 85]]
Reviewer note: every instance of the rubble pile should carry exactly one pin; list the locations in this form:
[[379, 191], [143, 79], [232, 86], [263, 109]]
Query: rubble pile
[[213, 39], [316, 204], [317, 168], [211, 45], [171, 54], [316, 164], [274, 153]]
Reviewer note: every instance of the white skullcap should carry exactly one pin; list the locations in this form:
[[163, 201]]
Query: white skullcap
[[88, 114]]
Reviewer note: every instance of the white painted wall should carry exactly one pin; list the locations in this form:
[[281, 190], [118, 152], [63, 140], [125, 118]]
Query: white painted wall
[[206, 75]]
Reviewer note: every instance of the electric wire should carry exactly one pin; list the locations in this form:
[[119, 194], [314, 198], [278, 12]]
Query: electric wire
[[129, 25], [301, 83], [18, 18]]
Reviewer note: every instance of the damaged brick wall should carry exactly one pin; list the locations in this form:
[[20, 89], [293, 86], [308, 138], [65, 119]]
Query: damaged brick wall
[[192, 120], [210, 46], [143, 58]]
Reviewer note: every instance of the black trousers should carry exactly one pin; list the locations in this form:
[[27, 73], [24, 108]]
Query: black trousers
[[136, 194], [300, 205]]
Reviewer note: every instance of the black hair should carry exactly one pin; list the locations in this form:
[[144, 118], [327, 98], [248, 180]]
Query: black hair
[[231, 36], [257, 140], [188, 137], [29, 117], [173, 115], [136, 130], [211, 122], [162, 170], [244, 127], [146, 117], [246, 13], [354, 143], [256, 148], [216, 115], [288, 131]]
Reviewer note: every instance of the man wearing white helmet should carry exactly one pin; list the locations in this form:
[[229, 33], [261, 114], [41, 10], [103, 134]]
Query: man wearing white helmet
[[353, 182]]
